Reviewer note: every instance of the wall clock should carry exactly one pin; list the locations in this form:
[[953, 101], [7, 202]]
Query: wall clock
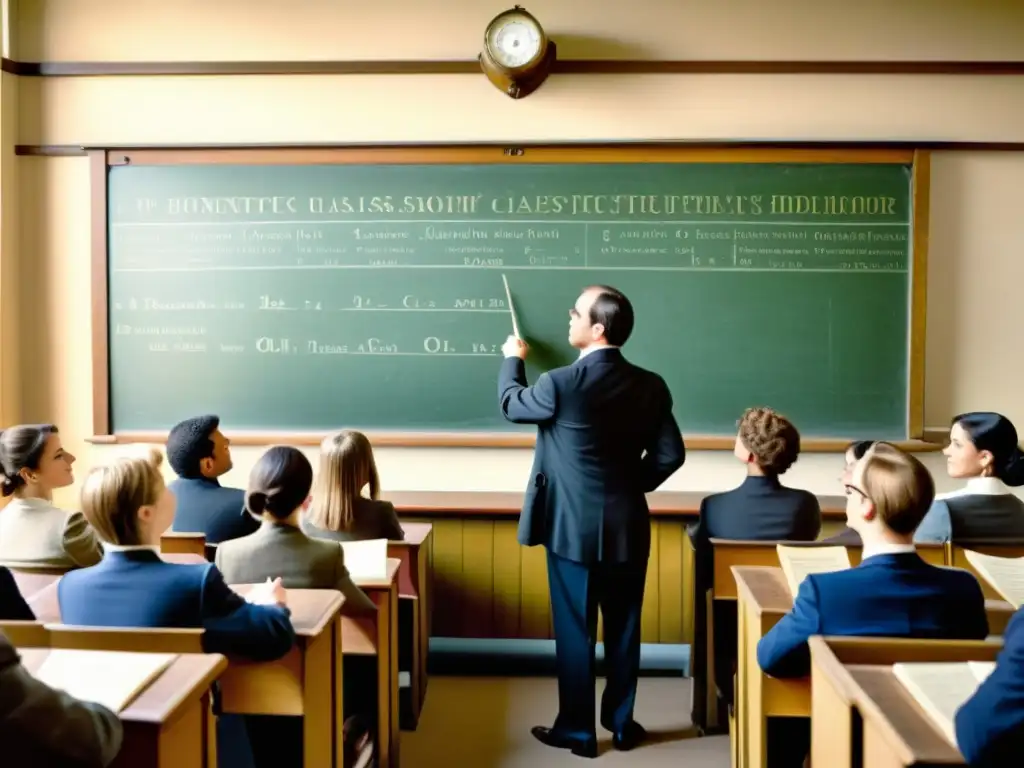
[[517, 55]]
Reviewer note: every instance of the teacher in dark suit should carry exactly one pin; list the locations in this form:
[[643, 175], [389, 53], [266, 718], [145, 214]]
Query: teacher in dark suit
[[606, 436]]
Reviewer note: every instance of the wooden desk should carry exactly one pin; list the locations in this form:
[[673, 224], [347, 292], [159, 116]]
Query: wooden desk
[[958, 559], [379, 637], [306, 681], [729, 553], [856, 698], [166, 725], [487, 585], [764, 598], [176, 542], [26, 634], [414, 590]]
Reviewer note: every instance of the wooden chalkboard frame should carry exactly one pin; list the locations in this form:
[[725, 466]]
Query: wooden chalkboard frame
[[101, 160]]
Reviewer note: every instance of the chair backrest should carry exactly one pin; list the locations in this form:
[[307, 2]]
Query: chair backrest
[[136, 639]]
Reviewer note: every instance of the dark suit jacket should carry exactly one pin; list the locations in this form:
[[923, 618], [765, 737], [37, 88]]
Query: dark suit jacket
[[371, 519], [135, 588], [44, 728], [990, 724], [277, 549], [12, 605], [207, 507], [606, 436], [896, 595], [973, 516]]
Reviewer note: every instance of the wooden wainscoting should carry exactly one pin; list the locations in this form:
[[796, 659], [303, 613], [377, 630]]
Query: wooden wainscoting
[[486, 585]]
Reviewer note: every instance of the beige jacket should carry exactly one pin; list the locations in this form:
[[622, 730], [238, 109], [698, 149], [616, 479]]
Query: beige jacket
[[35, 535], [277, 549]]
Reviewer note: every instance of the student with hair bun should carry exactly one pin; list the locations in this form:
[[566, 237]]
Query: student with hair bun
[[983, 450], [35, 534]]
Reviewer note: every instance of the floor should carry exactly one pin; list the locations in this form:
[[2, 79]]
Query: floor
[[484, 722]]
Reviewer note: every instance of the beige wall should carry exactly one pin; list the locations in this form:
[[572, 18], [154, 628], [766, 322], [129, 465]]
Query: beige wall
[[976, 267]]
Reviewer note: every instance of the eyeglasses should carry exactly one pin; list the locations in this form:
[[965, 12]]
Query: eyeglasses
[[850, 489]]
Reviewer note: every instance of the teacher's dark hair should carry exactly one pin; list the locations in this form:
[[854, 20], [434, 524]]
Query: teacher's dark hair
[[21, 447], [279, 482], [996, 434], [614, 311]]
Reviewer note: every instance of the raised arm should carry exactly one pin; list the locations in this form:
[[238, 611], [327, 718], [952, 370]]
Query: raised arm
[[78, 732], [523, 404]]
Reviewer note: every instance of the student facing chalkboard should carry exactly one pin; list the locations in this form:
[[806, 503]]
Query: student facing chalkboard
[[339, 510]]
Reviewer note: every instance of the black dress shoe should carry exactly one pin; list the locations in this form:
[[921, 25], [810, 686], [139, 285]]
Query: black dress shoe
[[630, 737], [549, 738]]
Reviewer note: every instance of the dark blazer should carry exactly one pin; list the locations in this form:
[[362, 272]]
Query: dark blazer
[[894, 595], [761, 509], [966, 516], [596, 419], [135, 588], [371, 519], [207, 507], [990, 724], [12, 605], [44, 728], [278, 549]]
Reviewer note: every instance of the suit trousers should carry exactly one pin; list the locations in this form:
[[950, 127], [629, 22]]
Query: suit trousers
[[577, 591]]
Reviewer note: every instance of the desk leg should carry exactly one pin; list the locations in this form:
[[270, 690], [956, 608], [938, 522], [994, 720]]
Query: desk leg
[[318, 715], [416, 670], [387, 678], [181, 744], [210, 732], [424, 622], [740, 705], [831, 725], [338, 685]]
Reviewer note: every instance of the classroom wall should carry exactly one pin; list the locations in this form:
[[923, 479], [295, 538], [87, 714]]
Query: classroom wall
[[976, 268]]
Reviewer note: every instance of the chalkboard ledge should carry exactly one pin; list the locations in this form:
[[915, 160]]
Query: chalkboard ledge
[[482, 440]]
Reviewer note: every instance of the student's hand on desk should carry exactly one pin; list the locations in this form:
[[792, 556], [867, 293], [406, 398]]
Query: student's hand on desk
[[268, 593], [515, 347]]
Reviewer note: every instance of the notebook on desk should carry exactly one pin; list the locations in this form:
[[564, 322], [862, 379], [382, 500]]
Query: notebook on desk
[[799, 562], [366, 560], [1005, 574], [110, 678], [940, 688]]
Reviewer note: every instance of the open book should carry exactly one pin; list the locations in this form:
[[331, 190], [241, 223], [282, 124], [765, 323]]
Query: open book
[[942, 687], [798, 562], [366, 560], [110, 678], [1005, 574]]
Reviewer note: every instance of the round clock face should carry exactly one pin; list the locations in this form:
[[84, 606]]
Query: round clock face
[[514, 41]]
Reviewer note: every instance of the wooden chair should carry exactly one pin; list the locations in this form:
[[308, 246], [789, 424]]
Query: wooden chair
[[26, 634], [125, 639], [175, 543]]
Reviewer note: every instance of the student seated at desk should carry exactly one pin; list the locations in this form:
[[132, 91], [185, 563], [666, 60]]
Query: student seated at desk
[[44, 728], [199, 453], [130, 507], [854, 452], [278, 493], [339, 510], [12, 604], [34, 534], [891, 593], [982, 449], [762, 508], [990, 724]]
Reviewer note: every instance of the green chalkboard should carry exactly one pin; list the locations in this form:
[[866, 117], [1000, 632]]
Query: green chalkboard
[[308, 297]]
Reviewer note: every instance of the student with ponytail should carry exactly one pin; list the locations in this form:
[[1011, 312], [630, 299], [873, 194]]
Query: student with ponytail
[[984, 450]]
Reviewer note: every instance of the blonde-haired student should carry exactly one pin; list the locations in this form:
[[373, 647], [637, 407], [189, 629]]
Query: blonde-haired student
[[129, 506], [339, 510]]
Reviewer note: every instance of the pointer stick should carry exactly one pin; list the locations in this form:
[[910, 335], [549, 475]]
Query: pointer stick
[[511, 308]]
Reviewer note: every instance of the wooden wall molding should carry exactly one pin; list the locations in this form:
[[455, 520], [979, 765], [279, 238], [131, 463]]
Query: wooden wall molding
[[82, 150], [472, 67]]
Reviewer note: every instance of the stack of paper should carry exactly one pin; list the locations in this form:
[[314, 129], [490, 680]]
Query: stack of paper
[[366, 560], [110, 678], [941, 688], [798, 562], [1005, 574]]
